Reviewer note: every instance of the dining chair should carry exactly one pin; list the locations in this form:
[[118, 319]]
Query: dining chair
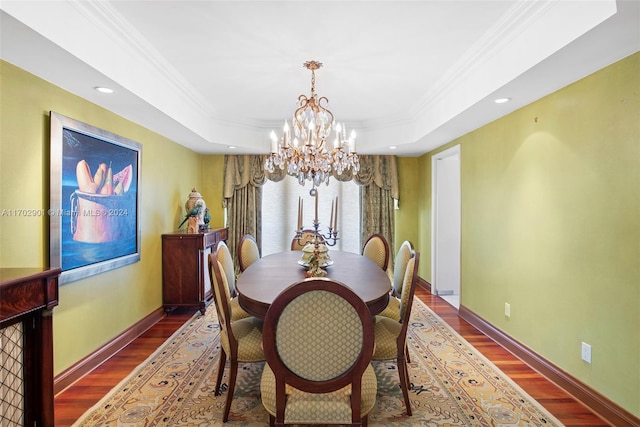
[[240, 340], [248, 251], [391, 335], [404, 254], [318, 340], [306, 237], [227, 267], [376, 248]]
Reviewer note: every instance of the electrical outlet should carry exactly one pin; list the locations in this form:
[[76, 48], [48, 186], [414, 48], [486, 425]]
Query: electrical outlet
[[586, 352], [507, 309]]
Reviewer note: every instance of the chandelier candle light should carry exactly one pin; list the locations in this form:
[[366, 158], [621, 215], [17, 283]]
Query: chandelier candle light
[[306, 154]]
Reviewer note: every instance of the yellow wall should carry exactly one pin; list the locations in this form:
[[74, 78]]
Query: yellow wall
[[212, 171], [94, 310], [551, 225], [550, 221], [406, 214]]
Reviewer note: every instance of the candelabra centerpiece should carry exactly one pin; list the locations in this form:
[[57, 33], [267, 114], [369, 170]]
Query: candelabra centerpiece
[[315, 253], [306, 155]]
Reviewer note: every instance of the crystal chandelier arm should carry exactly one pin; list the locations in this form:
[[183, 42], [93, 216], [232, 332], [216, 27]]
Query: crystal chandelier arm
[[298, 126], [328, 123], [306, 156]]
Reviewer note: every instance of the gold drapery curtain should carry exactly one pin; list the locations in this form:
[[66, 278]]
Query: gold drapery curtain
[[242, 196], [378, 180], [244, 176]]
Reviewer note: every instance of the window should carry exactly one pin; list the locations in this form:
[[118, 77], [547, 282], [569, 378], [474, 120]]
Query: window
[[280, 213]]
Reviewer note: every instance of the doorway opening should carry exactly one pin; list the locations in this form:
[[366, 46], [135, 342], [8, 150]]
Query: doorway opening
[[445, 226]]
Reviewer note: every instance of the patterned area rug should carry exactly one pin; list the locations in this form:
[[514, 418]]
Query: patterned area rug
[[452, 384]]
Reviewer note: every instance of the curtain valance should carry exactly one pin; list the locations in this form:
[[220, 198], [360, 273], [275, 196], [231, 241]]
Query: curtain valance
[[241, 170], [379, 170]]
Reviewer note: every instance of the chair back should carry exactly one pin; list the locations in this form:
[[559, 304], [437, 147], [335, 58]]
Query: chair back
[[376, 248], [406, 301], [248, 251], [405, 252], [408, 288], [228, 267], [222, 300], [318, 337], [306, 237]]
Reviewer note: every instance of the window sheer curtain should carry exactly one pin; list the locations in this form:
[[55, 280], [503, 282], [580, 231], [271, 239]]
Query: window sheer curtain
[[280, 213], [244, 176]]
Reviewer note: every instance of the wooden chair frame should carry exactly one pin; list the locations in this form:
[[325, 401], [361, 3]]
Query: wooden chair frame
[[223, 310], [401, 341], [284, 375], [307, 236]]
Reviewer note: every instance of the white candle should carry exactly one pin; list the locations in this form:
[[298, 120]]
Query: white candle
[[299, 213], [316, 206], [312, 133], [285, 134], [331, 217], [335, 221], [274, 142], [352, 142]]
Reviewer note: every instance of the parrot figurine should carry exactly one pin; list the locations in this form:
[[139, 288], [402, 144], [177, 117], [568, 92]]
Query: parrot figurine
[[206, 218], [193, 212]]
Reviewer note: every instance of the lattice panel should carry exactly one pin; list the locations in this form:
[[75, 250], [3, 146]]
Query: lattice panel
[[11, 376]]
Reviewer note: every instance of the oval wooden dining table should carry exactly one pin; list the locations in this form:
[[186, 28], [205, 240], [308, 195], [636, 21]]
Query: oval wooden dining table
[[263, 280]]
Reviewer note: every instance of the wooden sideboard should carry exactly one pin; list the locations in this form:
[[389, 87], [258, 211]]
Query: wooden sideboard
[[185, 270], [27, 298]]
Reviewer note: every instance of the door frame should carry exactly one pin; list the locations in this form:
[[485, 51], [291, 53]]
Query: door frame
[[450, 152]]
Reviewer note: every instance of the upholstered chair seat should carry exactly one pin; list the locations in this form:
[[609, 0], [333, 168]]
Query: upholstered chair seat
[[392, 310], [387, 332], [305, 408], [237, 312], [248, 333]]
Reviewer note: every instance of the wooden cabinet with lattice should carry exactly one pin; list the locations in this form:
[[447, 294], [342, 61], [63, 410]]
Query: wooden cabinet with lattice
[[27, 299]]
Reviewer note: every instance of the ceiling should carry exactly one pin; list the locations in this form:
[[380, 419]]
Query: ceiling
[[212, 75]]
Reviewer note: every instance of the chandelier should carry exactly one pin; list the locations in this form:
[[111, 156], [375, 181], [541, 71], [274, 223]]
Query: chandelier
[[305, 151]]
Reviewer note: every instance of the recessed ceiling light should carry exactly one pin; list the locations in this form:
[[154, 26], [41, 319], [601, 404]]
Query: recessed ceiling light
[[103, 89], [393, 147], [502, 100], [232, 147]]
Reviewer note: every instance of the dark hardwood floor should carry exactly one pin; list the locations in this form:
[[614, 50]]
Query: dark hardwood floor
[[71, 403]]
